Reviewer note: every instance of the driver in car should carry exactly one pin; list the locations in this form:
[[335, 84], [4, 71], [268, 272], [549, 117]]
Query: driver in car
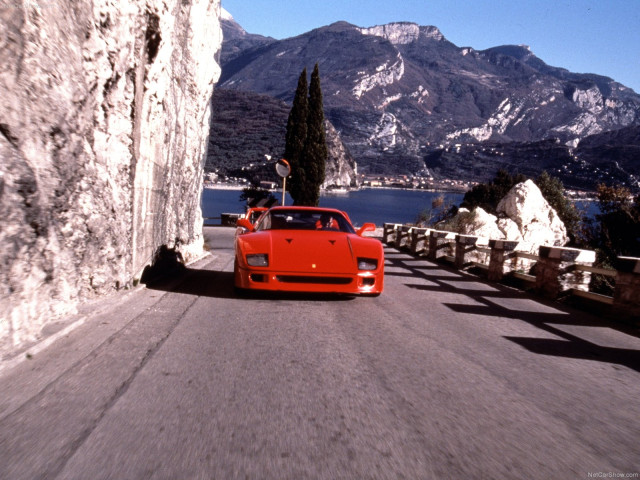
[[327, 222]]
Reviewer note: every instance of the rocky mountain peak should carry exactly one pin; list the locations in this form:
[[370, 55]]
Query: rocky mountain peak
[[231, 28], [225, 15], [521, 52], [405, 104], [236, 39], [403, 33]]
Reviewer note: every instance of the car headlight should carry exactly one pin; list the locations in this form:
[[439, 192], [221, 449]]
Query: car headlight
[[367, 263], [258, 260]]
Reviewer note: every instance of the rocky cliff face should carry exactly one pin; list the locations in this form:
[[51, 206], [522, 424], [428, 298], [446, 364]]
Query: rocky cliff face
[[104, 117], [341, 169]]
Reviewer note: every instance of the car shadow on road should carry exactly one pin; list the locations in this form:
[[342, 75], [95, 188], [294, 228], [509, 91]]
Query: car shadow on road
[[219, 284], [197, 282], [488, 297]]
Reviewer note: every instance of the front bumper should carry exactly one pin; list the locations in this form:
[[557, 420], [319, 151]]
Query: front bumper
[[362, 283]]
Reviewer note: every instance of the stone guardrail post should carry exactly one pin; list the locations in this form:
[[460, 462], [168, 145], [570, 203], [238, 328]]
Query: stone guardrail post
[[500, 250], [464, 244], [626, 297], [389, 233], [436, 242], [553, 275], [419, 241], [402, 236]]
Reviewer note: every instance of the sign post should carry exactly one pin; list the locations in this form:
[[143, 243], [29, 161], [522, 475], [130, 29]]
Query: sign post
[[284, 170]]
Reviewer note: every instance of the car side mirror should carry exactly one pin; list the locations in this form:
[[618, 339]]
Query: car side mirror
[[367, 227], [244, 223]]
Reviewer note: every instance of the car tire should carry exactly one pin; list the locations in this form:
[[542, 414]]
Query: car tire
[[240, 292]]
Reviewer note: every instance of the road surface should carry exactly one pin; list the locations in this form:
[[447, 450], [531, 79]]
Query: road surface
[[442, 376]]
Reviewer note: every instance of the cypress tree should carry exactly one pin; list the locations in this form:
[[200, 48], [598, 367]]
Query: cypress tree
[[314, 155], [295, 139]]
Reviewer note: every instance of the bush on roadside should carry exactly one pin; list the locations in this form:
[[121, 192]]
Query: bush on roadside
[[553, 191]]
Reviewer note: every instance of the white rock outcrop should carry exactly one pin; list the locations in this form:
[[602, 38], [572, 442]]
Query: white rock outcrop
[[523, 216], [104, 116], [403, 33], [396, 33], [385, 74], [481, 224], [529, 219]]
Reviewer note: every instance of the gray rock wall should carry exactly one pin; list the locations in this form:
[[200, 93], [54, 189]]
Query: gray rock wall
[[104, 114], [341, 169]]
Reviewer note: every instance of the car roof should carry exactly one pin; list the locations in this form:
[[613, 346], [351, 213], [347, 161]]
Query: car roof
[[309, 209], [284, 208]]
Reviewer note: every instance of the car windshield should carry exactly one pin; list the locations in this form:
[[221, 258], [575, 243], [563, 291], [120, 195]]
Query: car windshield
[[255, 215], [305, 220]]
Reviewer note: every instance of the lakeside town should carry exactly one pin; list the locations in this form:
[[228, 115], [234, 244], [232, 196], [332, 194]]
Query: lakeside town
[[407, 182], [213, 180]]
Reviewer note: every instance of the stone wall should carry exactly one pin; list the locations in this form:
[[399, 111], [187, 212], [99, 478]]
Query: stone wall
[[104, 115]]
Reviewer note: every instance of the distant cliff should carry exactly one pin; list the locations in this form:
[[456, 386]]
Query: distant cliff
[[104, 117], [247, 126], [341, 169]]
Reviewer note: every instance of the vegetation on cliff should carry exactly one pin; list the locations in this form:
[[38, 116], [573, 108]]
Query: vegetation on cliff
[[616, 231]]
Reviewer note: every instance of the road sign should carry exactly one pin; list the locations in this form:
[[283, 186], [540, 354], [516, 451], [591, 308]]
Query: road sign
[[283, 168]]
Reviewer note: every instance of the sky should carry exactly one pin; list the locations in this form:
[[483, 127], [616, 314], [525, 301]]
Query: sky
[[583, 36]]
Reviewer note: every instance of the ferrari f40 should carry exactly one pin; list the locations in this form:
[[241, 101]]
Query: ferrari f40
[[308, 249]]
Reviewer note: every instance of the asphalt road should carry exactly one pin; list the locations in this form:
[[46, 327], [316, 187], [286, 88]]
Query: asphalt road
[[442, 376]]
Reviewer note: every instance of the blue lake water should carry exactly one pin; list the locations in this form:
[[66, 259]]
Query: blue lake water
[[375, 205], [366, 205]]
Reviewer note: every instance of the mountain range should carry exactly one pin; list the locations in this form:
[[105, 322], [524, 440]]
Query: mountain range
[[405, 100]]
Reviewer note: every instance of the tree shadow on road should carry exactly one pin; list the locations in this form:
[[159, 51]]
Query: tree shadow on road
[[489, 296], [575, 347], [569, 345]]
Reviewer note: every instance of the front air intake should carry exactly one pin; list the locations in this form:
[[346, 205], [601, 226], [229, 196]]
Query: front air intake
[[312, 279]]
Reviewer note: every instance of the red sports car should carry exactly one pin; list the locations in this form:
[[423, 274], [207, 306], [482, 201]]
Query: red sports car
[[307, 249]]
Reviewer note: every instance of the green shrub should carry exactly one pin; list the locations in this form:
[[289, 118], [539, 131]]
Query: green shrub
[[553, 192]]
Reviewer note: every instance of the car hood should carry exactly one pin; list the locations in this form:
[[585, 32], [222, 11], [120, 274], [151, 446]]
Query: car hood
[[302, 251]]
